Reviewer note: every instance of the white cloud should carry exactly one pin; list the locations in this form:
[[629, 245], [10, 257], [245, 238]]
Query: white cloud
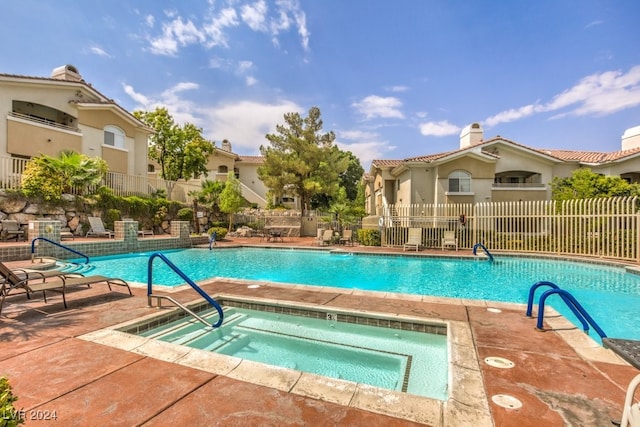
[[365, 145], [99, 51], [376, 106], [213, 30], [595, 95], [442, 128], [398, 88], [250, 81], [182, 110], [255, 15], [175, 34], [245, 123]]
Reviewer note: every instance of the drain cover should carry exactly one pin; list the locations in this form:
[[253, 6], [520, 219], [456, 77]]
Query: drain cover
[[499, 362], [506, 401]]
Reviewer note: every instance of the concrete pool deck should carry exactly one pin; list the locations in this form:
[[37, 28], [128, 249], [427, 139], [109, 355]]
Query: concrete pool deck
[[560, 377]]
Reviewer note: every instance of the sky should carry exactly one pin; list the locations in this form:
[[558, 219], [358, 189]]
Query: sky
[[393, 79]]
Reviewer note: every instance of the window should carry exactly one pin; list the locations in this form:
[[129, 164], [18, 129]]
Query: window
[[223, 169], [459, 182], [113, 136]]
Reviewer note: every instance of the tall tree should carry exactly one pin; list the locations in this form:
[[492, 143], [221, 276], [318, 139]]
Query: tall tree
[[231, 197], [181, 151], [301, 160]]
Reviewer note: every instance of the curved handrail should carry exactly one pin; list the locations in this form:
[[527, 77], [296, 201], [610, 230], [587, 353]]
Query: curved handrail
[[567, 297], [191, 283], [484, 248], [532, 292], [33, 248]]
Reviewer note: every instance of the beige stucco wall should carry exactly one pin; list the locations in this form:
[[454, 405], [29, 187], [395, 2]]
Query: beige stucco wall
[[54, 96], [249, 176], [26, 138]]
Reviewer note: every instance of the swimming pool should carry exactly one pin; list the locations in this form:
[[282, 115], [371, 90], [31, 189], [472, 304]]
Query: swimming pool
[[610, 294], [395, 359]]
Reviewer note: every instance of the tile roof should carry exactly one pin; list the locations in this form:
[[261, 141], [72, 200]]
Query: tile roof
[[591, 156], [389, 163], [251, 159]]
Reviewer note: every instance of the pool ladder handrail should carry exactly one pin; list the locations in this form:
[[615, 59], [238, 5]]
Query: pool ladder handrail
[[573, 304], [60, 245], [191, 283], [484, 248]]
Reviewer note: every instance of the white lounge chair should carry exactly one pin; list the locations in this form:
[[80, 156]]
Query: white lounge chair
[[631, 411], [449, 240], [97, 228], [414, 240]]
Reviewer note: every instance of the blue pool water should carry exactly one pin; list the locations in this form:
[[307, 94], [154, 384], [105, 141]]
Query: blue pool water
[[610, 294], [364, 354]]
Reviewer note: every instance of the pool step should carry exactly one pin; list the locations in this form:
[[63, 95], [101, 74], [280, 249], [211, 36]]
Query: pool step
[[188, 330]]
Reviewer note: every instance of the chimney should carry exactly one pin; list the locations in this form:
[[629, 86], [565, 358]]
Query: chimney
[[631, 138], [471, 135], [226, 145], [66, 72]]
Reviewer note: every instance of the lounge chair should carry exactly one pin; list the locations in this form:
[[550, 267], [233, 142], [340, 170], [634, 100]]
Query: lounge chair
[[97, 228], [11, 229], [65, 233], [449, 240], [142, 233], [319, 233], [327, 237], [631, 411], [414, 240], [31, 283], [347, 237]]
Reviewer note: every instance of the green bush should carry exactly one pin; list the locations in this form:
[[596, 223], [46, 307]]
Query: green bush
[[110, 217], [11, 417], [185, 214], [220, 232], [368, 237]]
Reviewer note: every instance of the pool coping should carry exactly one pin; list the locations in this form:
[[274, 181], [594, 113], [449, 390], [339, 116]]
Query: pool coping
[[467, 401]]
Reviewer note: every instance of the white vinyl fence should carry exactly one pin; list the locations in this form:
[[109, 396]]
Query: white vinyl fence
[[604, 227]]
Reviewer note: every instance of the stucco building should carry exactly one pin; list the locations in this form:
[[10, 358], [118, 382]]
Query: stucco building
[[45, 115], [495, 170]]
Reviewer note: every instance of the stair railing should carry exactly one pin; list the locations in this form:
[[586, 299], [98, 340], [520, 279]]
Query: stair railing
[[484, 248], [577, 309], [60, 245], [191, 283]]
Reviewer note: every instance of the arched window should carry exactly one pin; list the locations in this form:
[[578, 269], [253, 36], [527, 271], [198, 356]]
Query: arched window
[[459, 182], [113, 136], [223, 169]]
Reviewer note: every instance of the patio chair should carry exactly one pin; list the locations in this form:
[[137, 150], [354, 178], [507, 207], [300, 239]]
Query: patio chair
[[631, 411], [414, 240], [449, 240], [327, 237], [11, 229], [143, 233], [346, 238], [65, 233], [97, 228], [31, 282]]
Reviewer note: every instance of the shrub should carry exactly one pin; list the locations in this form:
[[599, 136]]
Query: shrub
[[220, 232], [368, 237], [185, 214], [110, 217], [11, 417]]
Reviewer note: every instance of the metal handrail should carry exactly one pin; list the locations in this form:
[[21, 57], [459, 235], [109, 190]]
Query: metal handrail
[[484, 248], [179, 272], [573, 304], [552, 285], [60, 245]]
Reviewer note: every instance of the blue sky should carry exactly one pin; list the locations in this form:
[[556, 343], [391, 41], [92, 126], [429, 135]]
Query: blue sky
[[393, 79]]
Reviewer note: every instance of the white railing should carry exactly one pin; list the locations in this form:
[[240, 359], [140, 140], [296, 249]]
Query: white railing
[[606, 227]]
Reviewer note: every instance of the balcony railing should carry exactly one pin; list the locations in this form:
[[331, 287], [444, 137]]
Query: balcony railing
[[44, 122], [517, 185]]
